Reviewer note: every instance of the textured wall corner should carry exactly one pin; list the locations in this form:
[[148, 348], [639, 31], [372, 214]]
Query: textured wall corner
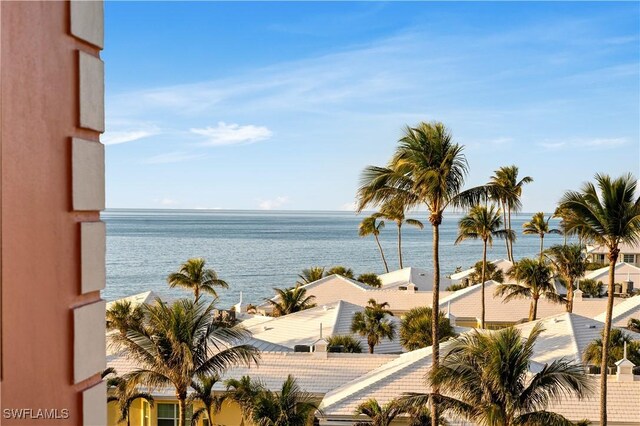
[[87, 21], [93, 252], [91, 92], [88, 175], [94, 406]]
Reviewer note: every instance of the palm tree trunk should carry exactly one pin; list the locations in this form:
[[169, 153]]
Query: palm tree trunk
[[182, 416], [534, 308], [541, 245], [569, 294], [386, 268], [196, 292], [435, 309], [613, 257], [371, 348], [400, 244], [510, 241], [128, 420], [506, 240], [484, 267]]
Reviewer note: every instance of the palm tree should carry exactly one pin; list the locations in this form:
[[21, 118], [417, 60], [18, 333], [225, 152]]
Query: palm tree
[[193, 276], [505, 187], [482, 223], [348, 343], [371, 226], [617, 339], [310, 275], [539, 226], [340, 270], [395, 210], [124, 395], [290, 406], [290, 300], [122, 316], [534, 279], [378, 415], [203, 392], [609, 215], [427, 168], [491, 271], [373, 324], [370, 279], [634, 325], [415, 328], [486, 380], [179, 342], [243, 392], [570, 263]]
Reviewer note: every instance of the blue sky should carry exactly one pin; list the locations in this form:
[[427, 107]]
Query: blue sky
[[281, 105]]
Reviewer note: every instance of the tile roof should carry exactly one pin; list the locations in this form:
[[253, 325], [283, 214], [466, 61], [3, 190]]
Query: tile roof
[[303, 328], [623, 312], [502, 264], [466, 303], [565, 335], [421, 278], [625, 248], [623, 272], [314, 373], [136, 299]]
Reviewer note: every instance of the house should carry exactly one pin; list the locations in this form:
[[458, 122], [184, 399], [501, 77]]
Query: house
[[411, 278], [629, 253], [465, 306], [625, 273], [401, 297], [305, 327], [316, 373]]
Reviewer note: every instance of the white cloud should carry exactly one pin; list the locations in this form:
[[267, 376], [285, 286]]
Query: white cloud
[[230, 134], [114, 138], [577, 143], [274, 203], [171, 157], [350, 207], [167, 202]]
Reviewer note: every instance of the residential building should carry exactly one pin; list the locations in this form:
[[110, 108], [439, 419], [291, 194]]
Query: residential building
[[629, 253]]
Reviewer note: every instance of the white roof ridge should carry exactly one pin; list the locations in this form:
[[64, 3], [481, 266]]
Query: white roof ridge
[[622, 308], [574, 340], [463, 292], [374, 376], [338, 309]]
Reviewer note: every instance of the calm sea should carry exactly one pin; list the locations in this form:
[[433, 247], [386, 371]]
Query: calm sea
[[255, 251]]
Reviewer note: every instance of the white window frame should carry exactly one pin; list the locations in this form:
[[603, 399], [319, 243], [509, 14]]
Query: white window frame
[[176, 412], [632, 257]]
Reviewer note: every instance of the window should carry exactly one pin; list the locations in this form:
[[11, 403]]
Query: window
[[168, 414], [600, 258], [629, 258]]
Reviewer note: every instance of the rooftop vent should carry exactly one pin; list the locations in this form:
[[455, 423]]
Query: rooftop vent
[[302, 348]]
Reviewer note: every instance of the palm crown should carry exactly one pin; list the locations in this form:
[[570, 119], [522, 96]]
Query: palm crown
[[379, 415], [373, 324], [538, 225], [193, 276], [395, 210], [290, 300], [371, 226], [570, 263]]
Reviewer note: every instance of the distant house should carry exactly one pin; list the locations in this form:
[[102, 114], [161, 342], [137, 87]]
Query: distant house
[[411, 278], [624, 273], [400, 291], [503, 264], [628, 254]]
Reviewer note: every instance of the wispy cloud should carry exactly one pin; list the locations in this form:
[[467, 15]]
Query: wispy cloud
[[231, 134], [274, 203], [590, 144], [172, 157], [114, 138], [167, 202]]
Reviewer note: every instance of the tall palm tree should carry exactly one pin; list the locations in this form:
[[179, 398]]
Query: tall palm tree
[[395, 210], [540, 227], [617, 339], [534, 279], [203, 392], [373, 324], [378, 415], [415, 328], [429, 169], [371, 226], [123, 315], [310, 275], [193, 276], [570, 263], [290, 300], [505, 187], [179, 342], [290, 406], [608, 215], [482, 223], [341, 270], [486, 380], [124, 394]]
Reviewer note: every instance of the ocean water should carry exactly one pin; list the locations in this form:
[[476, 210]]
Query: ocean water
[[255, 251]]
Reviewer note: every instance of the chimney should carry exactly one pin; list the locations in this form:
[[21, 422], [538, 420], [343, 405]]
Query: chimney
[[320, 346], [577, 294], [624, 368], [411, 287]]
